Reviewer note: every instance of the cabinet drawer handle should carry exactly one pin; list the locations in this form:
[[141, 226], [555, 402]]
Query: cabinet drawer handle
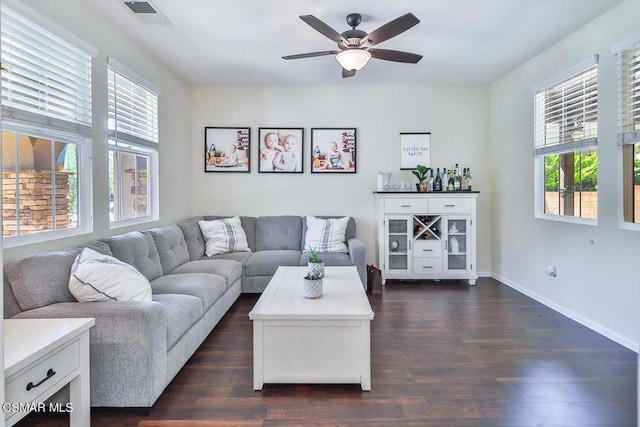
[[405, 206], [50, 373], [449, 206], [427, 266], [427, 250]]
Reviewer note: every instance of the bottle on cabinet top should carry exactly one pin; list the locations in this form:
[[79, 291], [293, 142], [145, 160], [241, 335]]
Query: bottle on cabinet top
[[454, 179]]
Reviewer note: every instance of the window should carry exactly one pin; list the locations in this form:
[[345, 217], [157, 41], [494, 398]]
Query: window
[[629, 130], [46, 150], [566, 157], [133, 147]]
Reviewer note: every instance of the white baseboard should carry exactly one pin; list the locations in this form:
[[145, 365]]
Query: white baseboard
[[614, 336]]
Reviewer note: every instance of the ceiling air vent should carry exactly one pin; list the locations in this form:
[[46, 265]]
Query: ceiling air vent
[[147, 12]]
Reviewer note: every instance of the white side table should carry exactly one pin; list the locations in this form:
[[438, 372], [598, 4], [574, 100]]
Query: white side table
[[40, 357]]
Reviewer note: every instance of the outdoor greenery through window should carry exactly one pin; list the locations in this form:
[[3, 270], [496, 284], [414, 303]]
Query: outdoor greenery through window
[[46, 113], [566, 114], [629, 130], [132, 145]]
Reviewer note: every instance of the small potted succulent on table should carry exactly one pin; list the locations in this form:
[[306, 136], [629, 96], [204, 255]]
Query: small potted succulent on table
[[312, 286], [315, 265]]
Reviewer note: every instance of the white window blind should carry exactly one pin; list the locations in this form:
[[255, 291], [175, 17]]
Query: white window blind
[[132, 111], [45, 80], [566, 114], [629, 95]]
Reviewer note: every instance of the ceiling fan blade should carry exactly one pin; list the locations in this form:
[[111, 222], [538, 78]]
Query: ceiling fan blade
[[392, 29], [323, 28], [311, 54], [347, 73], [395, 55]]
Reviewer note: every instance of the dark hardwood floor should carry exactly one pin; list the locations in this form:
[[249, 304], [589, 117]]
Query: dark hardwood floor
[[443, 354]]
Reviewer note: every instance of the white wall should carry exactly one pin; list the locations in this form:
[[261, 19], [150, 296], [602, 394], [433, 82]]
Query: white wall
[[457, 117], [597, 284], [174, 115]]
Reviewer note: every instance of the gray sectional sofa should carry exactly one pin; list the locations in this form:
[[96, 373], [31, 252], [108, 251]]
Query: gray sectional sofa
[[137, 347]]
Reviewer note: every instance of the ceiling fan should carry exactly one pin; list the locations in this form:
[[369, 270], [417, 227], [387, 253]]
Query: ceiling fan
[[356, 45]]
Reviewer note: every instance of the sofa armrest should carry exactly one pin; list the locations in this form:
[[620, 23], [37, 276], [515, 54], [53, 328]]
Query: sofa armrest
[[128, 353], [358, 255]]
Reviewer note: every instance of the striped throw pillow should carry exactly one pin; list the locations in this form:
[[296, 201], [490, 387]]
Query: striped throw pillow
[[223, 236], [326, 235]]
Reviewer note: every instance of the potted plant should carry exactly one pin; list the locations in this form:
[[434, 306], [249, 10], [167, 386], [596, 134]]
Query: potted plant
[[315, 265], [311, 286], [421, 172]]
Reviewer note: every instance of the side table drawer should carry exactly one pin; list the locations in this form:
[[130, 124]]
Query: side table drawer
[[445, 205], [427, 249], [427, 266], [406, 206], [55, 366]]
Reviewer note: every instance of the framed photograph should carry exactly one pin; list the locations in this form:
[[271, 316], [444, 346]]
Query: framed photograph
[[415, 149], [333, 150], [280, 150], [226, 149]]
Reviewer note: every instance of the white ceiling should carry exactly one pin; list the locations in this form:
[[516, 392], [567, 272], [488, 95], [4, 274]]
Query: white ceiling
[[241, 42]]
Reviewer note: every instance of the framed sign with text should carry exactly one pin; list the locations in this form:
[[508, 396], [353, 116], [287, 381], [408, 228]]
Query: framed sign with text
[[415, 149]]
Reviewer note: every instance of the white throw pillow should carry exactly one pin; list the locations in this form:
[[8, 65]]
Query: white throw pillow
[[223, 236], [98, 277], [326, 235]]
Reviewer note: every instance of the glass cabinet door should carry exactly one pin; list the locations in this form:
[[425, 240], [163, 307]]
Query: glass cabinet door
[[397, 244], [457, 244]]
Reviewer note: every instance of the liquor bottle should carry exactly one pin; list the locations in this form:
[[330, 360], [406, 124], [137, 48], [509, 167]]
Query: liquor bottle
[[456, 179], [451, 180], [469, 177], [437, 184], [464, 184], [445, 180]]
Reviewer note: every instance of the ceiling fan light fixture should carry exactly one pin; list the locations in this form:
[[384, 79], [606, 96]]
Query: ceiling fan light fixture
[[353, 59]]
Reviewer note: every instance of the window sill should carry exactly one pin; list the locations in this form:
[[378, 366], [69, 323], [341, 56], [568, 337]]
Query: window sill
[[129, 222], [569, 219], [629, 226], [44, 236]]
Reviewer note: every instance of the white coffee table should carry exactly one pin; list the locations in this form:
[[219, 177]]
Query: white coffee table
[[324, 340]]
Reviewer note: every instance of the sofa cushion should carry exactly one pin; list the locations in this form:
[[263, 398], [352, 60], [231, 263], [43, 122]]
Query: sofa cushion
[[350, 233], [229, 269], [41, 279], [224, 236], [171, 246], [265, 263], [180, 312], [240, 257], [326, 235], [329, 258], [193, 237], [98, 277], [278, 232], [207, 287], [248, 225], [138, 249]]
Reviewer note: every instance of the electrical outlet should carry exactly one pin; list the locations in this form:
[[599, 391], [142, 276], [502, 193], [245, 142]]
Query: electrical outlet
[[552, 271]]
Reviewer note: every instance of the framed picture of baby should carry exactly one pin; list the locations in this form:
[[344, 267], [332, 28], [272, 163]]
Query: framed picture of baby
[[226, 149], [280, 150], [333, 150]]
